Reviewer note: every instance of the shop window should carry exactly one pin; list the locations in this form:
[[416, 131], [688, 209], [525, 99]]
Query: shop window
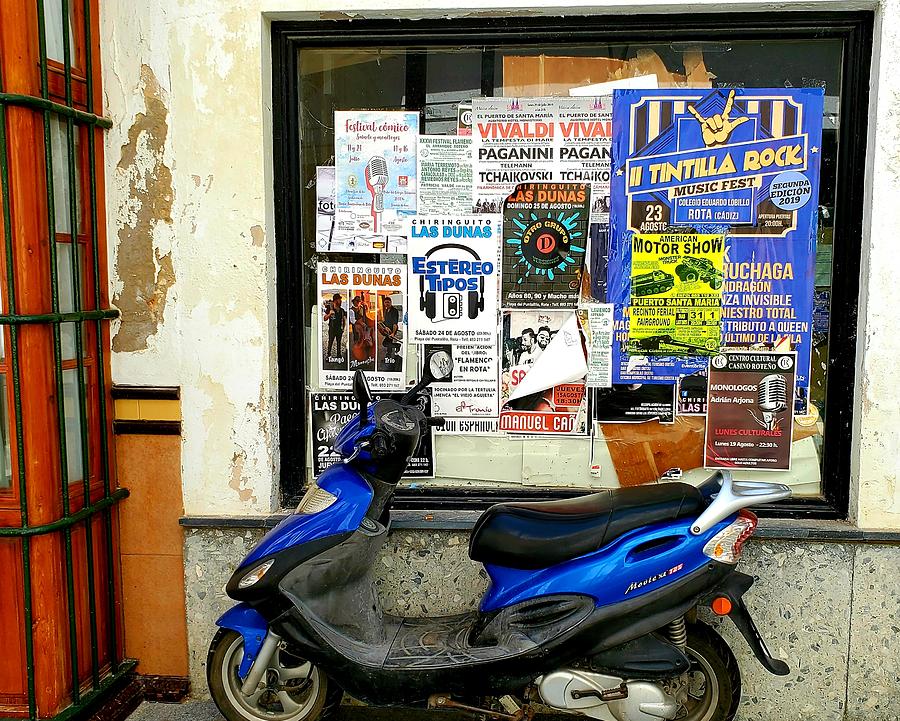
[[431, 69]]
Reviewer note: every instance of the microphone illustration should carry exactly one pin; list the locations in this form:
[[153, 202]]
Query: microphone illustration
[[376, 180], [771, 398]]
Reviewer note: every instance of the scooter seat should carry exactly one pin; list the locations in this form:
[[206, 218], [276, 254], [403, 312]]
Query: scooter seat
[[540, 535]]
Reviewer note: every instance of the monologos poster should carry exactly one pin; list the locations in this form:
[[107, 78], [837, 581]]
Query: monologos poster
[[743, 162], [749, 417], [468, 399], [375, 170], [453, 274], [542, 353], [545, 235], [330, 412], [360, 320], [445, 175]]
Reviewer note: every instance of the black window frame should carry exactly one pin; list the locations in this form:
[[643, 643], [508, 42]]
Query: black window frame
[[855, 29]]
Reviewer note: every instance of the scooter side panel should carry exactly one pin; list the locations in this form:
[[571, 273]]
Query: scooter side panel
[[638, 562], [354, 495]]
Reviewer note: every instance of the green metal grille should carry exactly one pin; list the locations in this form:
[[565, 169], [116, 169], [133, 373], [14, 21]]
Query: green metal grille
[[102, 679]]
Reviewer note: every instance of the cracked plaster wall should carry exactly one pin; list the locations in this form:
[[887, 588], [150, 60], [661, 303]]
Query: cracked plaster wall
[[187, 85]]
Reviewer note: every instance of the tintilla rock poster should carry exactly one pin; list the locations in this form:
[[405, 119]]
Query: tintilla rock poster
[[545, 234], [741, 162]]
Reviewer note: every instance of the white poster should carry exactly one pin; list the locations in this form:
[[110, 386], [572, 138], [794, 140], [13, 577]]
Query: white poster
[[329, 240], [512, 143], [445, 175], [360, 323], [584, 139], [453, 268], [375, 176], [597, 326], [469, 399]]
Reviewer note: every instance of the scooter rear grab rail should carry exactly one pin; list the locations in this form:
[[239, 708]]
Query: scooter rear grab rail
[[735, 495]]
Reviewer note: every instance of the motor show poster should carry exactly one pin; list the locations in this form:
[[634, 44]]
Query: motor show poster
[[676, 294], [375, 176], [330, 412], [545, 235], [469, 397], [360, 319], [560, 409], [749, 418], [444, 175], [453, 271], [741, 161]]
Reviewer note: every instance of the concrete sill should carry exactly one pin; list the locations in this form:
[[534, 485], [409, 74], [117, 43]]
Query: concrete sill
[[777, 529]]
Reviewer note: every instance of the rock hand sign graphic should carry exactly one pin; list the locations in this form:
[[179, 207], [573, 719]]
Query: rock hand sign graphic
[[718, 127]]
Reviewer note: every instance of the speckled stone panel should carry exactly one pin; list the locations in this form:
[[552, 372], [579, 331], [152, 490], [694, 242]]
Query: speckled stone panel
[[801, 604], [801, 601], [874, 681]]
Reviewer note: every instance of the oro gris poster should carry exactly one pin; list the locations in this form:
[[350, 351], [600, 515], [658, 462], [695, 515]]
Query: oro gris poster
[[743, 162], [360, 324], [749, 418], [453, 271], [545, 235]]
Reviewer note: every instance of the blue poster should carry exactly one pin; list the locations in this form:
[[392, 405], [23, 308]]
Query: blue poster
[[743, 162]]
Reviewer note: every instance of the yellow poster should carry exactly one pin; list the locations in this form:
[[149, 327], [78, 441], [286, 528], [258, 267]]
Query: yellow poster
[[676, 294]]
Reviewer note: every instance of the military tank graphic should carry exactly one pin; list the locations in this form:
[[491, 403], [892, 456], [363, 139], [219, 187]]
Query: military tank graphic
[[691, 269], [651, 283]]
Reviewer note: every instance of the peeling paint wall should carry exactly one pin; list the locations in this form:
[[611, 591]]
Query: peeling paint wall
[[189, 175]]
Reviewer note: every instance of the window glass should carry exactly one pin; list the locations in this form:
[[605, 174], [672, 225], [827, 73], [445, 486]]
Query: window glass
[[5, 462], [53, 28], [74, 448], [434, 82], [62, 199]]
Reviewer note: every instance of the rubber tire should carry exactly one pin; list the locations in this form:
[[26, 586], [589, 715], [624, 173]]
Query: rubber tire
[[217, 649], [716, 651]]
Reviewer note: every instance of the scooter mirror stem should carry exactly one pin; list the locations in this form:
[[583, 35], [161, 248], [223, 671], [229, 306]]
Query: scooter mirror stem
[[363, 395]]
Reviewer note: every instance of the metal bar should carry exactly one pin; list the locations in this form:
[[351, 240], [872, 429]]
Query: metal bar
[[17, 413], [68, 521], [29, 101], [15, 319], [112, 625], [74, 223], [57, 356]]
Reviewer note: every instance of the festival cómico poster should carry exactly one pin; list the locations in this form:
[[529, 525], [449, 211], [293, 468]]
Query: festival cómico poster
[[676, 294], [743, 162], [375, 170], [545, 234], [749, 417], [453, 271], [360, 321]]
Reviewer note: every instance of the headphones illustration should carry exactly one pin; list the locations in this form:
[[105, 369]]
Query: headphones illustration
[[452, 301]]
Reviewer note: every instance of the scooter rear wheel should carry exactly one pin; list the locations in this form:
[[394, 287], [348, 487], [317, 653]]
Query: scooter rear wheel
[[714, 681], [292, 689]]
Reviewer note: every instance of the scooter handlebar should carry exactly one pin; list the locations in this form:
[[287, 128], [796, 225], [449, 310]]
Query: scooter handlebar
[[435, 422]]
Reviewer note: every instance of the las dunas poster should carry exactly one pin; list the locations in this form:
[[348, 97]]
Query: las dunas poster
[[738, 162]]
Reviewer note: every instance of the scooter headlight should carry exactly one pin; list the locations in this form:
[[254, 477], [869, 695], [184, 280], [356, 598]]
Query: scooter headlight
[[256, 574], [316, 500]]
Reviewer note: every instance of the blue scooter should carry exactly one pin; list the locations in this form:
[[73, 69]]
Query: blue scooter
[[591, 609]]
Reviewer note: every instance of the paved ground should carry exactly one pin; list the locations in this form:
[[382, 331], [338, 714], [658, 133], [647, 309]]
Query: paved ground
[[206, 711]]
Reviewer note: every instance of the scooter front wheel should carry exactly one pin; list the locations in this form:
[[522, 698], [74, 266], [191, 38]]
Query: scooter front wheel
[[291, 689]]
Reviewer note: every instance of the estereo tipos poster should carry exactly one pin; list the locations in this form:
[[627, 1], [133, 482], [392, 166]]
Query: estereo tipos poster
[[468, 399], [545, 234], [453, 271], [749, 416], [330, 412], [360, 320], [676, 294], [375, 176], [743, 162]]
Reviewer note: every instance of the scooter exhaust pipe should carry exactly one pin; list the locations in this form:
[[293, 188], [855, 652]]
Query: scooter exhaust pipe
[[255, 674]]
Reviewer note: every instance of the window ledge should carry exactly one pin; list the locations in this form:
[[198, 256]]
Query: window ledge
[[777, 529]]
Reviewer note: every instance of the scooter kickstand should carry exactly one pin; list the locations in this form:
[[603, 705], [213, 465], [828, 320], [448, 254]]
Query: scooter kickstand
[[525, 713]]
